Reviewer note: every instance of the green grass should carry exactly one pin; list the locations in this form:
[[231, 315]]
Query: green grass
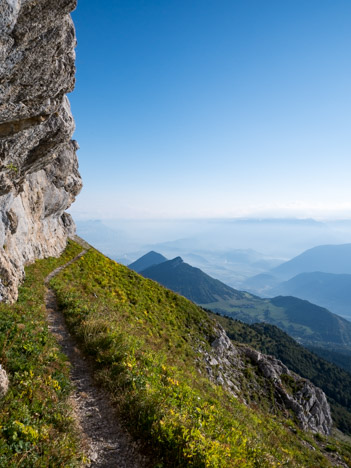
[[36, 428], [145, 342]]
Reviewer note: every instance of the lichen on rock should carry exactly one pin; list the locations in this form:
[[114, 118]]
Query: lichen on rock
[[39, 176]]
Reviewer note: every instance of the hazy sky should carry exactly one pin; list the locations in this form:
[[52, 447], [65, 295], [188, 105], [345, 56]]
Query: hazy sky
[[196, 108]]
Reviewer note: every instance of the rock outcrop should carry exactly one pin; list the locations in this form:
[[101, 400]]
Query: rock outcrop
[[4, 382], [39, 176], [246, 372]]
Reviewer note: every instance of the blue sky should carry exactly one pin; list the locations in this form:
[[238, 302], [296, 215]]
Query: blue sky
[[199, 108]]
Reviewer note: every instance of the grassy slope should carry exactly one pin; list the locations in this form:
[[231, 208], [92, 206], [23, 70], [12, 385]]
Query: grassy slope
[[143, 339], [35, 416]]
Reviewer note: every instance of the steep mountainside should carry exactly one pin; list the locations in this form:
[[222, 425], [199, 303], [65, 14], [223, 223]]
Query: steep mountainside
[[269, 339], [325, 289], [190, 282], [189, 394], [327, 327], [306, 322], [146, 261], [39, 176], [175, 372], [340, 357], [324, 258]]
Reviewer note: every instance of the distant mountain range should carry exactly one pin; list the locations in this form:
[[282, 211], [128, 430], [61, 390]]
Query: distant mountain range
[[308, 323], [231, 266], [329, 290], [321, 275], [324, 258]]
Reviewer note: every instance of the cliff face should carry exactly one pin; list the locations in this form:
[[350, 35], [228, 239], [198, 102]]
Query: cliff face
[[39, 176]]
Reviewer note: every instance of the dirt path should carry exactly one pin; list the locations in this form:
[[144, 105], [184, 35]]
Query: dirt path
[[106, 442]]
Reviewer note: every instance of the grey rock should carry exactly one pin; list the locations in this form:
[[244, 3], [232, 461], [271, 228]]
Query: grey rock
[[307, 401], [39, 176], [4, 382], [291, 392]]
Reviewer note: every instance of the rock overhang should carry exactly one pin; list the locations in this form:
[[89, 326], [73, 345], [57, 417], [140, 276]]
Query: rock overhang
[[39, 177]]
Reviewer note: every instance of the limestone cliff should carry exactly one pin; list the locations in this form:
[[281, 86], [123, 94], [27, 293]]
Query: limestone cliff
[[39, 176]]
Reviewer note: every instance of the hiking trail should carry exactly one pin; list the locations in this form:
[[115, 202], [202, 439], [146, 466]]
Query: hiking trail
[[105, 441]]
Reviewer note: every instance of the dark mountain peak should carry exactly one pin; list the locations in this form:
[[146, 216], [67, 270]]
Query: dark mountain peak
[[176, 261], [147, 260], [329, 290], [189, 281], [152, 253]]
